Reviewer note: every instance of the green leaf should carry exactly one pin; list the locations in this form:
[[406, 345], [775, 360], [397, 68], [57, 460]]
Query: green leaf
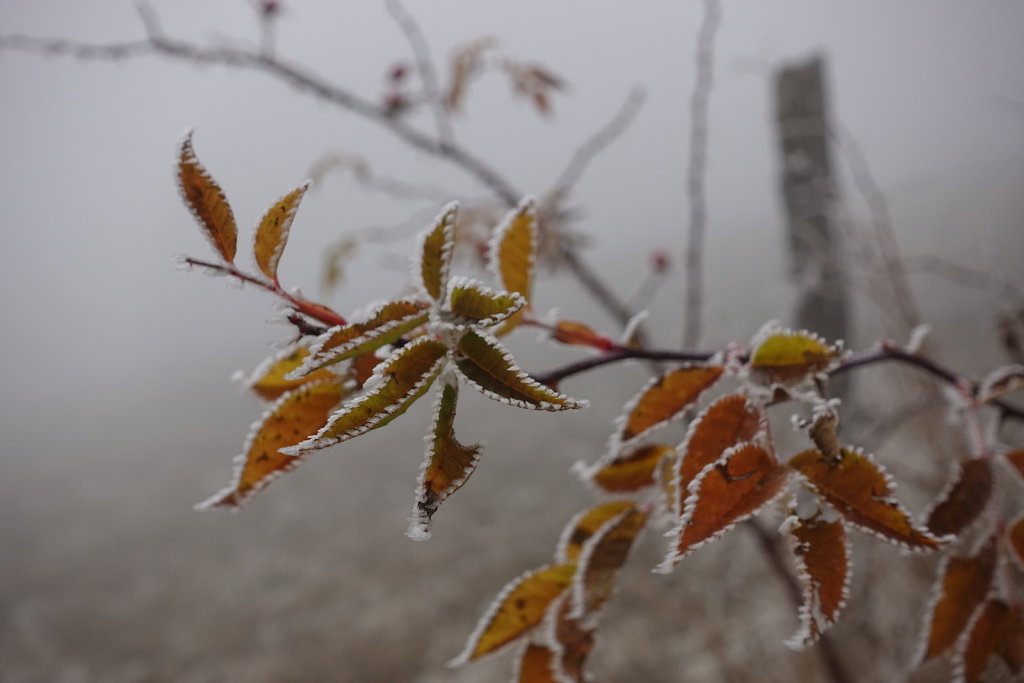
[[206, 200], [448, 463], [396, 384], [436, 253], [389, 322], [272, 232], [471, 303], [489, 367]]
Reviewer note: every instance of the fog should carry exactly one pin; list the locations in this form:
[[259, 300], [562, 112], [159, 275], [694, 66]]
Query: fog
[[120, 413]]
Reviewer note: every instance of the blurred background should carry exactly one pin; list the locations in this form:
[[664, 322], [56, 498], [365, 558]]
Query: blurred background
[[120, 414]]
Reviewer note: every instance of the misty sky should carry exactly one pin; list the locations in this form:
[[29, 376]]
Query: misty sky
[[100, 325]]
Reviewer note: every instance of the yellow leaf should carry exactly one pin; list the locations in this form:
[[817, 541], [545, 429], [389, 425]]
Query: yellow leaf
[[206, 200], [519, 607], [397, 383], [272, 232], [448, 463], [632, 471], [436, 250], [489, 367], [601, 559], [384, 326], [268, 380], [584, 525], [471, 303], [512, 254], [293, 418], [788, 358]]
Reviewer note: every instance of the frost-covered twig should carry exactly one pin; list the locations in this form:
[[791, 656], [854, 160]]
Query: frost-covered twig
[[694, 258], [597, 143], [425, 65]]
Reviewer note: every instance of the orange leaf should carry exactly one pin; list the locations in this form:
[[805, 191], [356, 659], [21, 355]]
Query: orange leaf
[[964, 499], [961, 586], [586, 524], [436, 250], [400, 380], [578, 334], [786, 357], [728, 421], [272, 232], [448, 463], [996, 642], [861, 492], [821, 553], [291, 419], [665, 398], [1016, 460], [1015, 535], [536, 665], [490, 368], [268, 380], [725, 493], [600, 561], [519, 607], [206, 201], [573, 642], [512, 252], [632, 472]]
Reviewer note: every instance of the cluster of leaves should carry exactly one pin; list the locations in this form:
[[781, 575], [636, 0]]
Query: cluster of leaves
[[339, 382]]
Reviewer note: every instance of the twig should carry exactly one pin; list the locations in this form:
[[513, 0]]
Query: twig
[[425, 65], [307, 308], [881, 219], [694, 257], [597, 143], [962, 275], [884, 352]]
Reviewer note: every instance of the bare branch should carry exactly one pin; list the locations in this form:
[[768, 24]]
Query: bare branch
[[425, 65], [881, 219], [389, 185], [597, 143], [694, 258], [962, 275]]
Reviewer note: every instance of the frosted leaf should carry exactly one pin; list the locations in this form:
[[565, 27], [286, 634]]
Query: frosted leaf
[[723, 494], [584, 525], [268, 380], [470, 303], [273, 228], [512, 252], [292, 418], [518, 609], [862, 492], [822, 557], [403, 378], [485, 364], [448, 464], [964, 498], [600, 561], [435, 254], [789, 359], [205, 199], [383, 326]]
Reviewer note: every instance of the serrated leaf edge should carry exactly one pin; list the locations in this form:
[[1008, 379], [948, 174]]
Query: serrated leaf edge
[[286, 228], [453, 319], [526, 206]]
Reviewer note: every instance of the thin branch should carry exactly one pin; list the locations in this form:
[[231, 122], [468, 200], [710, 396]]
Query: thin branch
[[597, 143], [884, 352], [694, 258], [307, 308], [962, 275], [425, 65], [881, 219]]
